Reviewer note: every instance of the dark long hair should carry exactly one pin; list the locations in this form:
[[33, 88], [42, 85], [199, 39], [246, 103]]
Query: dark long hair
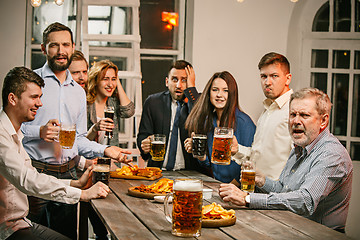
[[200, 119]]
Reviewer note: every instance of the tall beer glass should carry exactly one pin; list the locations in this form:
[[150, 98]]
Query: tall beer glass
[[109, 113], [157, 147], [67, 135], [101, 171], [248, 173], [186, 214], [221, 150], [199, 145]]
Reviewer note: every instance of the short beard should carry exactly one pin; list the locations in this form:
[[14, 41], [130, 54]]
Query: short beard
[[56, 67]]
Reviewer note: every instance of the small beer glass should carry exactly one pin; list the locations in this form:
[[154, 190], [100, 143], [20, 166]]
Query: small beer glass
[[101, 170], [199, 145], [67, 135], [248, 173], [157, 147], [186, 214], [221, 150]]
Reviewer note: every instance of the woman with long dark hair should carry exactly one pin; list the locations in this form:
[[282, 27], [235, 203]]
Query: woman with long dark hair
[[218, 106]]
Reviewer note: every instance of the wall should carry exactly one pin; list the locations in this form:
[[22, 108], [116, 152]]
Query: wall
[[12, 47]]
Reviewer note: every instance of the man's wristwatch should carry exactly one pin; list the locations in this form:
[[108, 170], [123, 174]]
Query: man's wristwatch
[[247, 200]]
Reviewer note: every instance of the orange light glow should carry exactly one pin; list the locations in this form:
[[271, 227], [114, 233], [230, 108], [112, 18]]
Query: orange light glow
[[171, 18]]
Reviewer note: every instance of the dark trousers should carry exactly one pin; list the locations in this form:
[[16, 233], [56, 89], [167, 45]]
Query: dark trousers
[[37, 232], [60, 217]]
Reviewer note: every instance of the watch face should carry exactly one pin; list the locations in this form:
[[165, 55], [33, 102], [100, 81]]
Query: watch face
[[247, 198]]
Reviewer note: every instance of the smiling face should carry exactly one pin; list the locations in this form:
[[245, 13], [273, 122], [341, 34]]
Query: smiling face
[[177, 83], [274, 80], [305, 123], [219, 93], [29, 102], [107, 85], [79, 72], [58, 50]]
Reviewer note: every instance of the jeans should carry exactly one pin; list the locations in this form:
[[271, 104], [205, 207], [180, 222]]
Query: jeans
[[60, 217], [36, 232]]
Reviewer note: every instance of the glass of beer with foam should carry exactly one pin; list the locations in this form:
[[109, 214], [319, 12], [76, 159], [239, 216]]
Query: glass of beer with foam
[[101, 170], [157, 146], [221, 149], [248, 173], [186, 213], [67, 135]]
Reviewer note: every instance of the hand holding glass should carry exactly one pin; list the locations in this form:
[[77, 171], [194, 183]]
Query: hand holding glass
[[109, 113], [101, 171], [67, 135], [157, 147], [199, 145], [221, 150]]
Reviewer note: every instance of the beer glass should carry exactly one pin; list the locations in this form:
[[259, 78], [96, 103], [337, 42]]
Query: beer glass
[[199, 144], [101, 170], [221, 150], [157, 147], [109, 113], [187, 201], [248, 173], [67, 135]]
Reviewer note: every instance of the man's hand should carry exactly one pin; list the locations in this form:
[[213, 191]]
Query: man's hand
[[231, 193], [118, 154], [234, 146], [99, 190], [84, 181], [145, 145], [259, 179], [50, 131], [190, 77]]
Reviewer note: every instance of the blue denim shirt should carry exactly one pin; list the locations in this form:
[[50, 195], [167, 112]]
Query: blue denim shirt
[[67, 103]]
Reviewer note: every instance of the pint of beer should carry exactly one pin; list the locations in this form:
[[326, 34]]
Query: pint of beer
[[248, 175], [157, 147], [186, 214], [67, 135], [199, 145], [109, 113], [101, 171], [221, 150]]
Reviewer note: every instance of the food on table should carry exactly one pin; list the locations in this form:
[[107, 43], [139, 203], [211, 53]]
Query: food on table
[[162, 186], [136, 171], [215, 211]]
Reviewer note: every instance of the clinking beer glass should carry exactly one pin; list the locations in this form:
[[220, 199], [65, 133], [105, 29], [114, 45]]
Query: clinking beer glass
[[186, 214], [248, 173], [221, 150]]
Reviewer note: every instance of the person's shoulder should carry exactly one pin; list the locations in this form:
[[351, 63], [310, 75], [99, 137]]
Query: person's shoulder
[[243, 117], [157, 96]]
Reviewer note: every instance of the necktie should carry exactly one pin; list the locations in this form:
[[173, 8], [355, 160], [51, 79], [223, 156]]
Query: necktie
[[174, 139]]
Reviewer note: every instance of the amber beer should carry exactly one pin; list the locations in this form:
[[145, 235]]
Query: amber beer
[[248, 180], [187, 207], [67, 136], [157, 147], [221, 150], [101, 172]]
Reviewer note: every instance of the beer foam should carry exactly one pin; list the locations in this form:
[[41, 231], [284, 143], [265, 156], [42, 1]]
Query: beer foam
[[157, 142], [190, 186], [101, 168], [247, 170], [222, 136]]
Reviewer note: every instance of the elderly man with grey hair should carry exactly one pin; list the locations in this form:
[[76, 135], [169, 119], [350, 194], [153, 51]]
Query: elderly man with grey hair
[[316, 180]]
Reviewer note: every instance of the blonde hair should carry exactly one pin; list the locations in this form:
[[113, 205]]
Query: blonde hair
[[96, 74]]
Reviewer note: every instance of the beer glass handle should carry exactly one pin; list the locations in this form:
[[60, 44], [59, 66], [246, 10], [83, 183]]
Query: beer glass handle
[[166, 207]]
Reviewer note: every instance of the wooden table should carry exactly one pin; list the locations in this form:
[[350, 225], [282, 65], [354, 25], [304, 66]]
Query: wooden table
[[128, 217]]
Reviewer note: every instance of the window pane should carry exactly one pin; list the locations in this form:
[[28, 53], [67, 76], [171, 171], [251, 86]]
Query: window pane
[[321, 19], [340, 83], [319, 58], [342, 15], [357, 16], [154, 81], [152, 29], [355, 151], [319, 80], [120, 62], [48, 13], [341, 59], [357, 60], [38, 59], [355, 128]]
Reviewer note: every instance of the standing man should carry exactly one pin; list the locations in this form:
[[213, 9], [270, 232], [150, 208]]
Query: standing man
[[21, 100], [79, 69], [316, 180], [159, 114], [272, 142], [63, 101]]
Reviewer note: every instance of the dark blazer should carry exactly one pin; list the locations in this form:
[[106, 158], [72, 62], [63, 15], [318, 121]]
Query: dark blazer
[[155, 119]]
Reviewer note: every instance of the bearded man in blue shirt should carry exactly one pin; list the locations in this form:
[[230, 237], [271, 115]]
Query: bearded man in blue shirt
[[316, 180]]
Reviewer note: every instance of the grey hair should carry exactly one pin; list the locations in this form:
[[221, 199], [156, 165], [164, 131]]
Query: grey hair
[[323, 103]]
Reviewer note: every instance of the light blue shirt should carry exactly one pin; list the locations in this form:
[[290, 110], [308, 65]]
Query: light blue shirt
[[67, 103]]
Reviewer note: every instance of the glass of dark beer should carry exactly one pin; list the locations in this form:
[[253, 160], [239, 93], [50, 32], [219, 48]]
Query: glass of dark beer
[[157, 147], [199, 145], [221, 150], [186, 214], [109, 113], [101, 171]]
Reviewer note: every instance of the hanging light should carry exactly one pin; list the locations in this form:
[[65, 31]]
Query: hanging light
[[35, 3], [59, 2], [294, 0]]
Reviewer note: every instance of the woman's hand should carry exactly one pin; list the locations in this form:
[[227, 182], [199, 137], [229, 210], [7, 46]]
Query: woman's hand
[[105, 124]]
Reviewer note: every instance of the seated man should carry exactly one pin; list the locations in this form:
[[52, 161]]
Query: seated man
[[316, 180], [21, 99]]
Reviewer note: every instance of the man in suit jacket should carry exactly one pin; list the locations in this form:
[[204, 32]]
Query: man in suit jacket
[[159, 113]]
